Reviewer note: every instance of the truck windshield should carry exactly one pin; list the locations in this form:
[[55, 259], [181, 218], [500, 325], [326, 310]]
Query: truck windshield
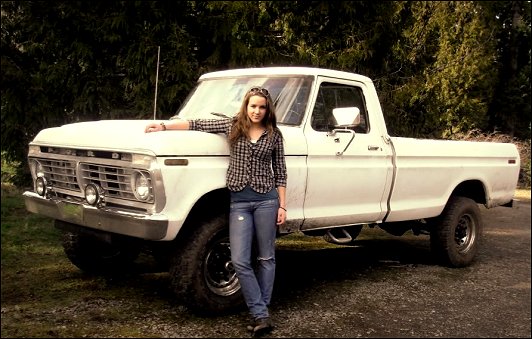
[[214, 98]]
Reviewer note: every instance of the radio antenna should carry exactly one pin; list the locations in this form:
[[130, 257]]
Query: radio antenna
[[156, 83]]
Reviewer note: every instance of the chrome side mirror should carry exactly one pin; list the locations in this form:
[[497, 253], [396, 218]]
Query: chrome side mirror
[[346, 117]]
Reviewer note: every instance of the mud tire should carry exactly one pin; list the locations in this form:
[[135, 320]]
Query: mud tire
[[201, 272], [456, 234], [95, 256]]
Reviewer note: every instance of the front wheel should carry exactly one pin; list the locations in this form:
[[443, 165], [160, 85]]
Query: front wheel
[[456, 233], [201, 271], [94, 255]]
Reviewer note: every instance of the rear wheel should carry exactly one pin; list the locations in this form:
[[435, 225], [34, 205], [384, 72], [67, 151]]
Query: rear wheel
[[456, 234]]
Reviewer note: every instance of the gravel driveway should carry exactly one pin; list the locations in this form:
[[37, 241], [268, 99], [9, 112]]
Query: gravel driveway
[[391, 288]]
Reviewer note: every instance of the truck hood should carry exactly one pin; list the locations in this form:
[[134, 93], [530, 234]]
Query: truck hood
[[128, 135]]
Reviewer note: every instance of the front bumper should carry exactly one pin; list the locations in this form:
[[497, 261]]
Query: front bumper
[[144, 226]]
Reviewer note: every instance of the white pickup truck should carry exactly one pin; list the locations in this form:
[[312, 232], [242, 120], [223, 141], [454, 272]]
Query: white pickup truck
[[114, 190]]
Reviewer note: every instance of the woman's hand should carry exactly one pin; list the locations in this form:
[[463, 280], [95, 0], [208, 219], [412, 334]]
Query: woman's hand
[[153, 127], [281, 216]]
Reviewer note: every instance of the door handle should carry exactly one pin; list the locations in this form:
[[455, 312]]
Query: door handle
[[373, 148]]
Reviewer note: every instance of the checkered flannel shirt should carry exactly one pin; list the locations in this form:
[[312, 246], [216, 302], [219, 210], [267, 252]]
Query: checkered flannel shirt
[[261, 164]]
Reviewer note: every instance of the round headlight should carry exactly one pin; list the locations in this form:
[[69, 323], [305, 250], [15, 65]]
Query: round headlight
[[141, 186], [93, 194], [40, 186]]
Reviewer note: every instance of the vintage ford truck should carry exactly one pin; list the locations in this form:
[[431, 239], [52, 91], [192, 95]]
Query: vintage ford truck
[[114, 190]]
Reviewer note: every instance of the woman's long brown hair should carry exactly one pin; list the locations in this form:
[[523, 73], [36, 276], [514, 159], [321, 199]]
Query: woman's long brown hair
[[242, 123]]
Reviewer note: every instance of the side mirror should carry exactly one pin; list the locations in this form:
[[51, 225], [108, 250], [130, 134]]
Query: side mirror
[[346, 117]]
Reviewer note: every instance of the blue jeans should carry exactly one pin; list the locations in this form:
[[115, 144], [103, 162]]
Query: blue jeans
[[249, 223]]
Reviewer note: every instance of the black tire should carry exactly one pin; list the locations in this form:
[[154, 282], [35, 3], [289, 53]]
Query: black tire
[[201, 272], [93, 255], [456, 234]]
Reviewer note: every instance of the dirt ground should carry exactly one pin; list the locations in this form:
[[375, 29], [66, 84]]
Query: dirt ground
[[390, 287]]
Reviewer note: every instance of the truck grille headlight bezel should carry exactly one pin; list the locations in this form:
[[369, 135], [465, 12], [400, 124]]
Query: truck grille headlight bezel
[[37, 169], [41, 186], [141, 185]]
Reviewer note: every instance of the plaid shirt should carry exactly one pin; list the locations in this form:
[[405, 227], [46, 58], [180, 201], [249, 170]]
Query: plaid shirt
[[260, 165]]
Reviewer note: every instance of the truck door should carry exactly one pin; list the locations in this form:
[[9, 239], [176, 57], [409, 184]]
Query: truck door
[[344, 188]]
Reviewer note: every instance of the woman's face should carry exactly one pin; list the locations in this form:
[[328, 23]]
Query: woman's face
[[256, 109]]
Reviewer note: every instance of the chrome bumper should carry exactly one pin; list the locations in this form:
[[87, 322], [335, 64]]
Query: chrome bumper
[[105, 219]]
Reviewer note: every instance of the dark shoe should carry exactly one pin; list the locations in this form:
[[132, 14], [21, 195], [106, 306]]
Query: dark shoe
[[262, 326], [253, 322]]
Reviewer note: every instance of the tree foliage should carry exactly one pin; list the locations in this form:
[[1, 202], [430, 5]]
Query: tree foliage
[[509, 110], [453, 74], [441, 68]]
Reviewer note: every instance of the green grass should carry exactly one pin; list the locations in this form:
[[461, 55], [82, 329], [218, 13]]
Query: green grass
[[41, 289]]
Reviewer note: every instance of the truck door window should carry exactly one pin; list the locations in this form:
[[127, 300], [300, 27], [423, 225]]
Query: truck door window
[[330, 96]]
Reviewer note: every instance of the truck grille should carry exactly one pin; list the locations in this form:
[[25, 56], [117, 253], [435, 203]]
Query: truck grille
[[68, 177], [61, 173], [116, 181]]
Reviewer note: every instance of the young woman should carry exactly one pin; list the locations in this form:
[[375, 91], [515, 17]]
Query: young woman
[[256, 178]]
